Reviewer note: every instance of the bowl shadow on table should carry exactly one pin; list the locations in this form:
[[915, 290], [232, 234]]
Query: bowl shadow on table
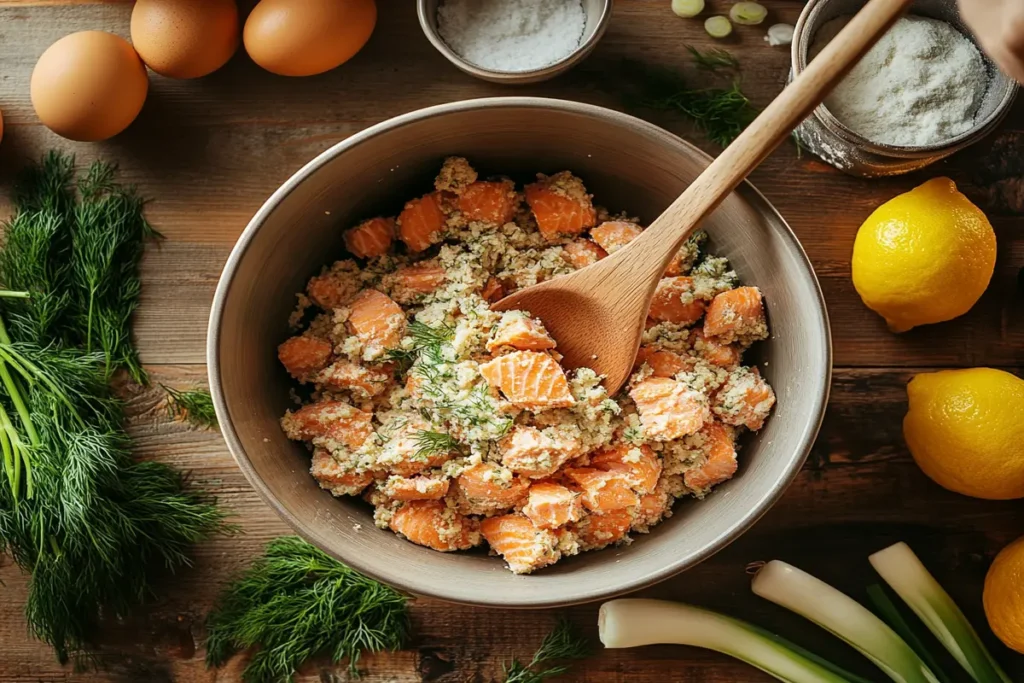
[[276, 263]]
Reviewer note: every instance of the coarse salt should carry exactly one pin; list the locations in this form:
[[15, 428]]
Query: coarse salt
[[511, 35], [921, 84]]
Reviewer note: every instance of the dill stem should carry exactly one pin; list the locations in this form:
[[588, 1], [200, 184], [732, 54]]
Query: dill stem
[[10, 294], [13, 468], [88, 328]]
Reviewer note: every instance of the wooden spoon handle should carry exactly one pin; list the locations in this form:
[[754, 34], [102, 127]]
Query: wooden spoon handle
[[666, 234]]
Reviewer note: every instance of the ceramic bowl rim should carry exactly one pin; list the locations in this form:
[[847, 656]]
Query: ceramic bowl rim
[[401, 579]]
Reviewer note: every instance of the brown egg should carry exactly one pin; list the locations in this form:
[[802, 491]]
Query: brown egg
[[306, 37], [89, 86], [185, 38]]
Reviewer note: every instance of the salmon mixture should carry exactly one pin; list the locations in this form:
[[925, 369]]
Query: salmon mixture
[[458, 424]]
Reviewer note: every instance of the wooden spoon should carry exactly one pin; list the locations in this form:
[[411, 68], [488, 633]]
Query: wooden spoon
[[597, 314]]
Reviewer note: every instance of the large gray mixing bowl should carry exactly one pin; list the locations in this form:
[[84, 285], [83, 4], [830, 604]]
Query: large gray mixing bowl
[[628, 165]]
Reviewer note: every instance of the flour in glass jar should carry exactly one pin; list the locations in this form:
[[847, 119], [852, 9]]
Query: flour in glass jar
[[511, 35]]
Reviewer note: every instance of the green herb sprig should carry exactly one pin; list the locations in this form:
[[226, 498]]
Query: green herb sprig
[[296, 602], [715, 59], [563, 644], [721, 113], [194, 406], [92, 526]]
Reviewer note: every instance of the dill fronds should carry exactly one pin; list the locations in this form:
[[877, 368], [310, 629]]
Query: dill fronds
[[563, 643], [194, 406], [435, 443], [714, 59], [720, 113], [296, 602], [92, 526]]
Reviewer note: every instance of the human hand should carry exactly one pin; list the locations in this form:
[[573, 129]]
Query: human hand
[[999, 27]]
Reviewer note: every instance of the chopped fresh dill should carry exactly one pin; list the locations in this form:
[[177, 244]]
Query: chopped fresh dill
[[435, 443], [714, 59], [194, 406], [633, 435], [564, 643], [296, 602], [720, 113]]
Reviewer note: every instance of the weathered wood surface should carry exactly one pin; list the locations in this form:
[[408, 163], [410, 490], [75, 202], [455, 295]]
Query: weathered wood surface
[[211, 151]]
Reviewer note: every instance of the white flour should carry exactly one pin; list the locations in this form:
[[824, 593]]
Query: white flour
[[511, 35], [922, 83]]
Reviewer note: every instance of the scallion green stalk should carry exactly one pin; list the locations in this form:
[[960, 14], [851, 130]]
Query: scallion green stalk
[[908, 577], [844, 617], [633, 623]]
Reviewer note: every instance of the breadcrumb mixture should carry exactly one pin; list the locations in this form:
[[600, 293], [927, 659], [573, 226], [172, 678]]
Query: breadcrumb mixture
[[457, 423]]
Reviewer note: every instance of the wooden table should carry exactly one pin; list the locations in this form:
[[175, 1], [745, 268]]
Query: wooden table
[[209, 153]]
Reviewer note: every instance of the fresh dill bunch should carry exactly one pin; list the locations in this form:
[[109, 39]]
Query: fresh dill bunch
[[194, 406], [720, 113], [96, 527], [715, 59], [296, 602], [564, 643], [76, 248]]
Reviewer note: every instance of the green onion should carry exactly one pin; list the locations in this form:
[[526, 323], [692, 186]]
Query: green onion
[[839, 614], [908, 577], [633, 623], [748, 13], [687, 8], [718, 26]]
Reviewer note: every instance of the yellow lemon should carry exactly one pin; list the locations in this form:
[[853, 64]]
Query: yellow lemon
[[924, 256], [965, 429], [1004, 595]]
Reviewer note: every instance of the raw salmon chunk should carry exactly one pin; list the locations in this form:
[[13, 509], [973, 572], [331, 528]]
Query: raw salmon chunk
[[719, 463], [714, 351], [370, 238], [653, 508], [613, 235], [360, 380], [736, 315], [410, 283], [674, 301], [582, 252], [534, 453], [524, 547], [377, 321], [602, 490], [335, 288], [745, 399], [669, 409], [421, 222], [550, 505], [403, 455], [304, 356], [529, 379], [493, 290], [489, 488], [662, 363], [491, 202], [561, 205], [520, 332], [331, 420], [432, 524], [597, 531], [638, 464], [415, 488], [335, 478]]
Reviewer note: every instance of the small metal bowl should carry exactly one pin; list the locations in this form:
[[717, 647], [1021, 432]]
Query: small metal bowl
[[825, 136], [598, 13]]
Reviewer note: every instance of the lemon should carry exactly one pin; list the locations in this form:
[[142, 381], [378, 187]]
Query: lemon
[[924, 256], [965, 429], [1004, 595]]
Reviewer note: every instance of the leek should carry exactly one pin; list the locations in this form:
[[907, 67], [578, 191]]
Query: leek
[[632, 623], [718, 26], [748, 13], [844, 617], [905, 574], [687, 8]]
